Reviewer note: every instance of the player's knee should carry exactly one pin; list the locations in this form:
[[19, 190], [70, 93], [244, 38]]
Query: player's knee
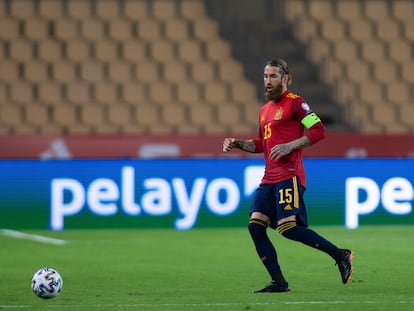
[[285, 229], [257, 228]]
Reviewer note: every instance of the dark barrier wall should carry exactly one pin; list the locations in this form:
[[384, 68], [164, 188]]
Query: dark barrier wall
[[188, 193]]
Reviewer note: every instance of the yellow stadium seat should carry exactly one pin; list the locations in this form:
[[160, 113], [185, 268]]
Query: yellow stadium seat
[[164, 9], [50, 9], [50, 92], [79, 10], [78, 92], [105, 93]]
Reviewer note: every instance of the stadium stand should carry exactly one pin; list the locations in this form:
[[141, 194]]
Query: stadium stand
[[193, 66]]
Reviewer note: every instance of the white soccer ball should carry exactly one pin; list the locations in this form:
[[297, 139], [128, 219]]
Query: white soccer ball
[[47, 283]]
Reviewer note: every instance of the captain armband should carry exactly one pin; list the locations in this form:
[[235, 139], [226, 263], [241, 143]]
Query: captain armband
[[310, 120]]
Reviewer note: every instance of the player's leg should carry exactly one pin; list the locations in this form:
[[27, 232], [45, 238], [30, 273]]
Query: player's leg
[[259, 221], [292, 224]]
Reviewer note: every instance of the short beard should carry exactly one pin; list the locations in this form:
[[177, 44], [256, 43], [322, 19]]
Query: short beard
[[274, 94]]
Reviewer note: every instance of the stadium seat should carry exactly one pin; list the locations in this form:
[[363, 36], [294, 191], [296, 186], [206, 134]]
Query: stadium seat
[[118, 114], [36, 114], [376, 10], [105, 93], [78, 51], [92, 115], [120, 30], [22, 9], [320, 10], [21, 50], [107, 10], [65, 29], [136, 10], [79, 10], [205, 29], [164, 9], [49, 50], [175, 72], [92, 29], [147, 71], [35, 28], [64, 114], [402, 10], [22, 92], [407, 71], [9, 28], [388, 30], [91, 71], [50, 92], [332, 29], [176, 29], [192, 9], [63, 72], [162, 51], [50, 9], [349, 10], [78, 93], [361, 30], [397, 92], [189, 93], [216, 93], [319, 49], [9, 72], [105, 51], [346, 51], [203, 72], [10, 116], [160, 93], [149, 30], [202, 114], [218, 50], [119, 72], [399, 51], [230, 71], [133, 93], [373, 50], [189, 50], [173, 114], [294, 9], [371, 93], [385, 72], [133, 51], [147, 113], [36, 71]]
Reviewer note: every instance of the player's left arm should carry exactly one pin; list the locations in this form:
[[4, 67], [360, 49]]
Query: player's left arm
[[316, 132]]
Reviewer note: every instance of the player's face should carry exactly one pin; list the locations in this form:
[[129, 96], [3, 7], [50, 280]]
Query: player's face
[[274, 83]]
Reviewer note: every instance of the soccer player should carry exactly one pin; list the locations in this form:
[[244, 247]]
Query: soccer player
[[287, 124]]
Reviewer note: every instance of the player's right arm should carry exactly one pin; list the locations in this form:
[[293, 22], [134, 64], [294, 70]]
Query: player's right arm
[[242, 144]]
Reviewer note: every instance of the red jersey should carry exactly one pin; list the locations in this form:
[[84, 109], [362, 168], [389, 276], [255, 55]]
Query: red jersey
[[282, 122]]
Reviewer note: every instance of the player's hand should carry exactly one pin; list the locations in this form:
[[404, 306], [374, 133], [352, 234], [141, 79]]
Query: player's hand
[[279, 151], [228, 144]]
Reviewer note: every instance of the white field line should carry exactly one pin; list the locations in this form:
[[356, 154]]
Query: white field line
[[32, 237], [195, 305]]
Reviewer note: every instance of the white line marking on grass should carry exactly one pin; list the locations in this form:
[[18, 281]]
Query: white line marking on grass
[[224, 304], [32, 237]]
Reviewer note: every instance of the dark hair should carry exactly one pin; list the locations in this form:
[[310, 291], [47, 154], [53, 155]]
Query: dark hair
[[282, 65]]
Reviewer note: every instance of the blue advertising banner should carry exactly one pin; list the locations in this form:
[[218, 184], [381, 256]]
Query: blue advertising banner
[[188, 193]]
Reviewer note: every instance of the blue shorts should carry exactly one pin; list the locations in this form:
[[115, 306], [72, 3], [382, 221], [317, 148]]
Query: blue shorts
[[281, 200]]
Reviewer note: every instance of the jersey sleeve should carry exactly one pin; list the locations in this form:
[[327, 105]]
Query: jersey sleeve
[[310, 120]]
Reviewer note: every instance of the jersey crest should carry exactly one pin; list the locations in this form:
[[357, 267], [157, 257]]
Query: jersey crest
[[278, 114]]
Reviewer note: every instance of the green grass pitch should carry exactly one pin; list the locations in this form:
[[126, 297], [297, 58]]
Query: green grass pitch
[[207, 269]]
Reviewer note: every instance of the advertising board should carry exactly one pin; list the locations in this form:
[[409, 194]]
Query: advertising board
[[189, 193]]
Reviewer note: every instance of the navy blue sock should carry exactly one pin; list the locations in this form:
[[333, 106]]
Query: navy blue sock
[[309, 237], [265, 249]]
